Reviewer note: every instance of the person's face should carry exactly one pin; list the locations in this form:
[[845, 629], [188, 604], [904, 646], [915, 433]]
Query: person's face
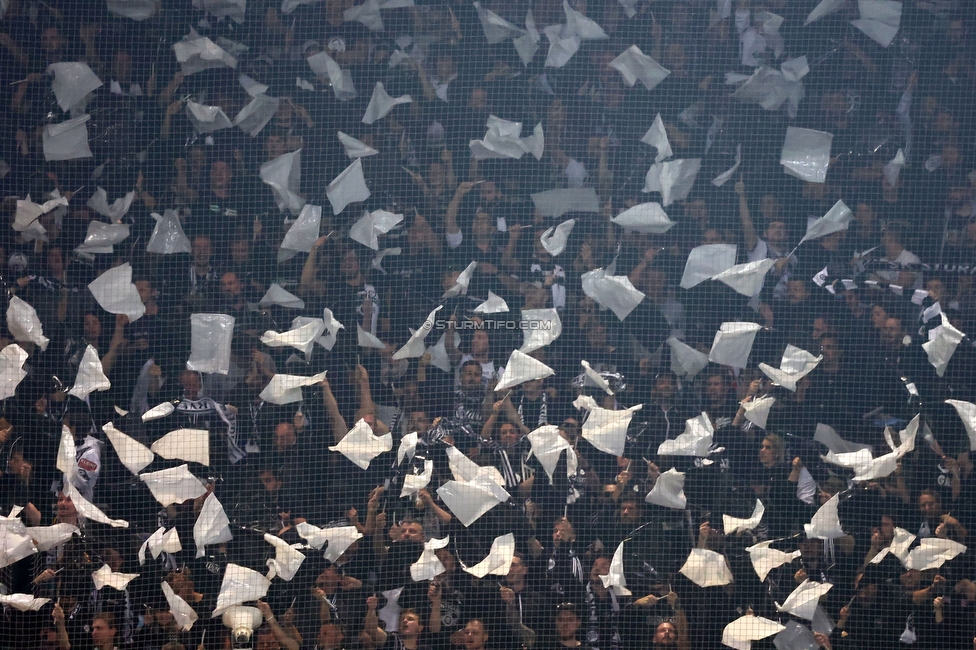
[[102, 634], [55, 260], [413, 532], [767, 453], [887, 528], [122, 66], [165, 618], [275, 146], [330, 636], [270, 483], [508, 434], [936, 289], [475, 635], [16, 465], [220, 174], [630, 511], [712, 236], [410, 625], [471, 375], [569, 430], [191, 384], [230, 285], [664, 389], [517, 569], [830, 349], [240, 252], [776, 233], [891, 333], [666, 634], [819, 328], [267, 641], [796, 291], [92, 327], [482, 225], [479, 342], [601, 567], [929, 506], [145, 290], [328, 580], [878, 317], [349, 266], [51, 40], [769, 207], [715, 388], [419, 421], [201, 250], [112, 558], [285, 435], [563, 531], [567, 623], [66, 509]]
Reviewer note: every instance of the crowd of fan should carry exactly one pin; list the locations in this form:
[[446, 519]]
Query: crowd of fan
[[271, 467]]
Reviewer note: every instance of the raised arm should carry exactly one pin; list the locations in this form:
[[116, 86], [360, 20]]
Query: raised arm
[[749, 236], [339, 428], [371, 622]]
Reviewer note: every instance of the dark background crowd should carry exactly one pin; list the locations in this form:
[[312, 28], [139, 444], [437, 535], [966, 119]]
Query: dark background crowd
[[863, 298]]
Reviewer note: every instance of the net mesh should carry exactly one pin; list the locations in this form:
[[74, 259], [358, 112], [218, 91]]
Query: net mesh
[[426, 324]]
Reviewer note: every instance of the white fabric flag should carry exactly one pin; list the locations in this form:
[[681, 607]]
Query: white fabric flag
[[360, 445], [195, 53], [657, 137], [275, 295], [706, 262], [594, 379], [668, 490], [733, 344], [287, 560], [615, 578], [380, 104], [207, 119], [73, 81], [605, 429], [428, 566], [66, 140], [673, 179], [12, 360], [494, 305], [942, 344], [23, 602], [880, 20], [825, 524], [133, 454], [119, 207], [24, 325], [633, 65], [301, 338], [87, 510], [161, 541], [932, 553], [105, 577], [256, 115], [173, 485], [706, 568], [740, 633], [415, 347], [695, 440], [796, 364], [191, 445], [468, 501], [284, 176], [168, 237], [757, 411], [116, 294], [460, 287], [348, 187], [414, 483], [837, 218], [802, 602], [615, 292], [496, 28], [210, 339], [183, 614], [765, 559], [240, 585], [355, 148], [286, 389], [686, 361], [47, 537], [212, 525], [499, 559], [647, 218], [747, 278], [303, 232], [543, 326], [733, 524], [521, 368], [554, 238], [371, 225], [547, 445], [806, 154], [91, 376], [102, 237]]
